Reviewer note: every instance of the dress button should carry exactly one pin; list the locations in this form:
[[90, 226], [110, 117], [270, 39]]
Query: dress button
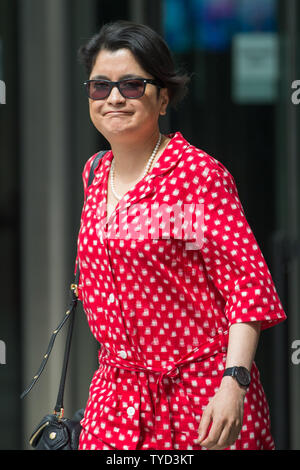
[[130, 411], [111, 298], [122, 354]]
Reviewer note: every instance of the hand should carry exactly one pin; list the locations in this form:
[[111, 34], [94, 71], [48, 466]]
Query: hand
[[224, 413]]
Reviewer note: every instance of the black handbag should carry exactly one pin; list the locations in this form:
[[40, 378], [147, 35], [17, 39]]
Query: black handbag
[[55, 432]]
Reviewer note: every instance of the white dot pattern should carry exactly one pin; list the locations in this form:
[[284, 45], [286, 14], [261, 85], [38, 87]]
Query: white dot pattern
[[161, 304]]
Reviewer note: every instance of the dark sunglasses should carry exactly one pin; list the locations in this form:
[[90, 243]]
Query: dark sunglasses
[[131, 88]]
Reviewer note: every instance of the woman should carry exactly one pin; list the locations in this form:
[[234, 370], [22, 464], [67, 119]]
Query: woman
[[173, 305]]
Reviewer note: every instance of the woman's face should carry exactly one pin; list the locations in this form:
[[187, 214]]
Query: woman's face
[[118, 117]]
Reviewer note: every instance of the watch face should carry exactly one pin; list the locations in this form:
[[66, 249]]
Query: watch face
[[243, 376]]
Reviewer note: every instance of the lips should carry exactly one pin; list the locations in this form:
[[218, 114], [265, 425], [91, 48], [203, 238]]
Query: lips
[[117, 113]]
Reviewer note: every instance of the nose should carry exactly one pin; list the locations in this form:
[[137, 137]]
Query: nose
[[115, 96]]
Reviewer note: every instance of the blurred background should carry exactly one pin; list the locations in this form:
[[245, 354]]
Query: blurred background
[[242, 108]]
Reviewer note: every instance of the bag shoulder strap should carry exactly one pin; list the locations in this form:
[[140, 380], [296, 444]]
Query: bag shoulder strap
[[90, 180], [94, 166], [70, 313]]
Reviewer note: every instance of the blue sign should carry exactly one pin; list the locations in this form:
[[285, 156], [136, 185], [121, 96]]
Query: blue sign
[[210, 24]]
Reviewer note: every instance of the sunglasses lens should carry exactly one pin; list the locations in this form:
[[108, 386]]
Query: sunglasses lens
[[98, 90], [132, 88]]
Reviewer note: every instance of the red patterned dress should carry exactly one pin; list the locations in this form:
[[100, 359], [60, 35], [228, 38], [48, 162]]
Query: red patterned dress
[[161, 282]]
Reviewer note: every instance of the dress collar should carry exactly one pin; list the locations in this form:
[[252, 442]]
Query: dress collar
[[167, 160], [143, 188]]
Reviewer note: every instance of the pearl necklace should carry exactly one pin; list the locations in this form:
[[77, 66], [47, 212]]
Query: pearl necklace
[[149, 163]]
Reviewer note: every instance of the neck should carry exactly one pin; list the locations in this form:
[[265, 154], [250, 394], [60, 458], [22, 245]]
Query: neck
[[131, 158]]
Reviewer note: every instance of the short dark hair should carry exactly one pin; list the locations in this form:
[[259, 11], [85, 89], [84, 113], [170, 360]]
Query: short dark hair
[[147, 46]]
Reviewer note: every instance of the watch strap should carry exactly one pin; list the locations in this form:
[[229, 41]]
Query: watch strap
[[240, 374], [230, 371]]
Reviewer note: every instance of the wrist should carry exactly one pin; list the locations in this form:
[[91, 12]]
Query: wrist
[[238, 374], [231, 385]]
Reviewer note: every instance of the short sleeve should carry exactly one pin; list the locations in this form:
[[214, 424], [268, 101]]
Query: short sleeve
[[233, 259]]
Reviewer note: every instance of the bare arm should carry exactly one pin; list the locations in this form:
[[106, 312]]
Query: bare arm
[[242, 344], [225, 410]]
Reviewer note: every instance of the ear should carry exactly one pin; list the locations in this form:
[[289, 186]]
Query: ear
[[164, 101]]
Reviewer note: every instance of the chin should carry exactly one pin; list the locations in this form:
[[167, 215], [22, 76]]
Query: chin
[[113, 132]]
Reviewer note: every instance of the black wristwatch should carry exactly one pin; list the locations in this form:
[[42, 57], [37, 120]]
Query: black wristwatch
[[241, 374]]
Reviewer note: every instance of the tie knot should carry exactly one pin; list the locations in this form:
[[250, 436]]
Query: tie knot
[[172, 372]]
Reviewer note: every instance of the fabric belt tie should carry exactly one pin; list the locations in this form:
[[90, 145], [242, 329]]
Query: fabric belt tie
[[212, 347]]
